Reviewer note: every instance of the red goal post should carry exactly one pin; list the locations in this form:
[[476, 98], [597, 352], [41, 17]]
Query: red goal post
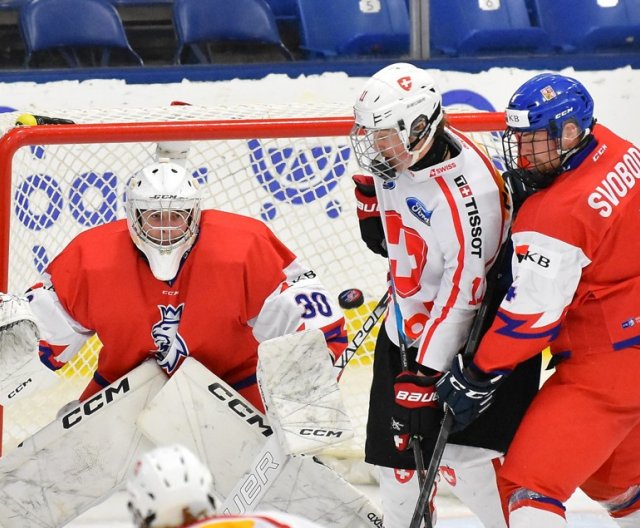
[[56, 165]]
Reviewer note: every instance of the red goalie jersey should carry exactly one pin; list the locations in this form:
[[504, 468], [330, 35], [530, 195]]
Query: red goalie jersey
[[238, 286]]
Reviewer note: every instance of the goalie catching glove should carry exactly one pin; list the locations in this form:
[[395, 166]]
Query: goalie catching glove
[[371, 230], [467, 391], [417, 411]]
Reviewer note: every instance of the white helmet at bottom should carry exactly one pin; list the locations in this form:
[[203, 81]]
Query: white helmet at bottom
[[170, 486], [163, 214]]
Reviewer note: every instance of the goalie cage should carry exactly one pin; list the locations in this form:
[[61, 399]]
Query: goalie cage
[[290, 166]]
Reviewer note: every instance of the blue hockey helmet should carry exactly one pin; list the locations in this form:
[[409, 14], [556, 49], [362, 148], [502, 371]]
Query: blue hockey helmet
[[549, 101], [545, 102]]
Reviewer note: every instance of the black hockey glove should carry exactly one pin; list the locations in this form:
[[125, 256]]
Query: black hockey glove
[[32, 119], [369, 214], [518, 189], [416, 411], [467, 392]]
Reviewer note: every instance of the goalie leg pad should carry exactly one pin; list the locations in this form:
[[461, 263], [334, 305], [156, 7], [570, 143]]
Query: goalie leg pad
[[197, 409], [250, 469], [80, 458]]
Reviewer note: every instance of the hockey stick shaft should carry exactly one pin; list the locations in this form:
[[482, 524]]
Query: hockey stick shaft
[[493, 294], [414, 441], [362, 334]]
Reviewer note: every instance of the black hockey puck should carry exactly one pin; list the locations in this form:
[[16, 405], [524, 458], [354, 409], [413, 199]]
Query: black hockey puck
[[352, 298]]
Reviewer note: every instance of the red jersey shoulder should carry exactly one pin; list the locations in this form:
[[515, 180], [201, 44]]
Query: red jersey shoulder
[[582, 202], [239, 234], [99, 244]]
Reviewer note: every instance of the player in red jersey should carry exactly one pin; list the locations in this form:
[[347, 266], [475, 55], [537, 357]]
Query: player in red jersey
[[171, 488], [576, 288], [173, 281]]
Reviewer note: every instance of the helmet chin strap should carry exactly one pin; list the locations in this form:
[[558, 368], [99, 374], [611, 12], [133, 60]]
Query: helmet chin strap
[[565, 155], [433, 152], [417, 155]]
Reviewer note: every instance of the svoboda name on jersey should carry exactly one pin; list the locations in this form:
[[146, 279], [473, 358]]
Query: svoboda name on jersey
[[615, 186]]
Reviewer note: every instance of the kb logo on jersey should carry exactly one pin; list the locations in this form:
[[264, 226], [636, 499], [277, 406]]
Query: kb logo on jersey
[[524, 254]]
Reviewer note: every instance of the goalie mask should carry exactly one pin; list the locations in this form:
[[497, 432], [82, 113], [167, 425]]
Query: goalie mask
[[549, 119], [396, 117], [170, 487], [163, 213]]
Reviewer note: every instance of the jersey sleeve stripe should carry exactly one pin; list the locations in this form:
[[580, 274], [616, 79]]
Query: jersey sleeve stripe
[[455, 286]]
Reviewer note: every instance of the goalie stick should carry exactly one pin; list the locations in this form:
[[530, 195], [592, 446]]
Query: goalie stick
[[483, 318]]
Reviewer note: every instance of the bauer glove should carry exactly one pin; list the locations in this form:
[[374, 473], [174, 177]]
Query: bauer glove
[[467, 391], [416, 411], [371, 229]]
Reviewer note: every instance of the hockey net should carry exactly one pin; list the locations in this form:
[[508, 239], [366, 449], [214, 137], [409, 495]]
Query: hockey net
[[289, 166]]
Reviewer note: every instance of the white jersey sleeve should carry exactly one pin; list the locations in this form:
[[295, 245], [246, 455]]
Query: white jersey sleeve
[[301, 302], [61, 336]]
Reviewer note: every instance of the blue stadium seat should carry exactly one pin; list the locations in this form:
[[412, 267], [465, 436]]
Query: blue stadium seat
[[145, 3], [463, 27], [200, 21], [11, 5], [330, 28], [284, 9], [587, 26], [71, 27]]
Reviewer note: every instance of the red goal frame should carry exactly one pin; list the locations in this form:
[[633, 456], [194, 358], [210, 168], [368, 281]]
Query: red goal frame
[[22, 136]]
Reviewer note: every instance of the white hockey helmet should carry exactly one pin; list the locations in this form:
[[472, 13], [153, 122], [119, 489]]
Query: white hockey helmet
[[169, 484], [399, 104], [163, 213]]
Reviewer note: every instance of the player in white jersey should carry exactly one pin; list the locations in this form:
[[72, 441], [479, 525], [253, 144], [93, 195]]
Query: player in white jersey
[[438, 210], [171, 488]]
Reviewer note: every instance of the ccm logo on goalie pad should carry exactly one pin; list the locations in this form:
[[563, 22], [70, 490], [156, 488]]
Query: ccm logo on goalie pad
[[320, 432], [240, 408], [21, 386], [95, 403]]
